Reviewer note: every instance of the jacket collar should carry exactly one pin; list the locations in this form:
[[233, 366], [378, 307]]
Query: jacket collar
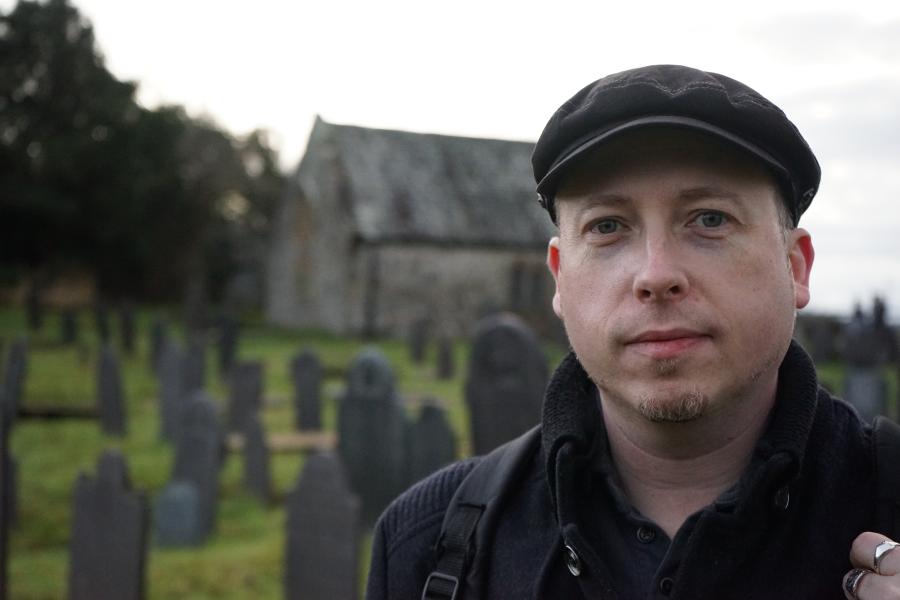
[[571, 421]]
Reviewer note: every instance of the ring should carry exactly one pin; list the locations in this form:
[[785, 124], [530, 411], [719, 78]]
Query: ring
[[882, 550], [851, 584]]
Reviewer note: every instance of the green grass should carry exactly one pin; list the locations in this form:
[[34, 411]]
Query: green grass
[[244, 558]]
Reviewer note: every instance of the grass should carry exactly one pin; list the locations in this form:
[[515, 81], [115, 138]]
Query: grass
[[243, 559]]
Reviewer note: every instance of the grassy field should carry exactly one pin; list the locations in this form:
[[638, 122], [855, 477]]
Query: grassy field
[[244, 557]]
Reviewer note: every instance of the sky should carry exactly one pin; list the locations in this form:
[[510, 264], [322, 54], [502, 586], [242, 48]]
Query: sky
[[499, 69]]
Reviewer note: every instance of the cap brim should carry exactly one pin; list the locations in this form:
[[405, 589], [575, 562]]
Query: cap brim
[[546, 188]]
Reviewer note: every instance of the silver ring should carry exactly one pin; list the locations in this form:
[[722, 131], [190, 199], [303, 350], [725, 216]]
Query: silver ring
[[882, 550], [851, 584]]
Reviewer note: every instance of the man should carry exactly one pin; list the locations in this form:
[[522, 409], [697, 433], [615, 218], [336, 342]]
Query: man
[[685, 450]]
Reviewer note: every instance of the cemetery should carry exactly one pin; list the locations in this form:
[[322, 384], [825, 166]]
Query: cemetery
[[198, 461]]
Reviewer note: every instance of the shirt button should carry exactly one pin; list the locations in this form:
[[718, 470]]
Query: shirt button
[[782, 498], [645, 534], [572, 561], [665, 585]]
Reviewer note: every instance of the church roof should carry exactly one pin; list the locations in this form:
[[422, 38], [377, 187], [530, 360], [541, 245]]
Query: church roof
[[428, 188]]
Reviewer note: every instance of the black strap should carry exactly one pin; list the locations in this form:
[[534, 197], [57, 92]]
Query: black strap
[[887, 476], [471, 513]]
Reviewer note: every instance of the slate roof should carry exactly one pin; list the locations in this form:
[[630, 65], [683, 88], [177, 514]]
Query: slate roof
[[429, 188]]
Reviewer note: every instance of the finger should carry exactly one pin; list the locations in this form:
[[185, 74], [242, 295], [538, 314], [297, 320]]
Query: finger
[[872, 586], [862, 554], [853, 582]]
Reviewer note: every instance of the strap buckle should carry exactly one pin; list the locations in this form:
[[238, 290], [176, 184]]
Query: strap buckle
[[439, 586]]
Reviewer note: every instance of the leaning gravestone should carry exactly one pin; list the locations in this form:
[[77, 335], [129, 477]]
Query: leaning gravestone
[[177, 515], [418, 339], [446, 362], [306, 372], [323, 534], [198, 456], [432, 443], [171, 390], [506, 380], [109, 535], [228, 342], [195, 365], [110, 398], [257, 475], [245, 399], [373, 433]]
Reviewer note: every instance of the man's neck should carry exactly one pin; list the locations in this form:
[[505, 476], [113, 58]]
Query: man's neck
[[671, 470]]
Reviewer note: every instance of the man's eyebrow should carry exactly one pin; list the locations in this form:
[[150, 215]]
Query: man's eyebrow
[[706, 191], [603, 200]]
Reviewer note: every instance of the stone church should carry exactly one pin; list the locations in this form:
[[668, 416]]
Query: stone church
[[379, 228]]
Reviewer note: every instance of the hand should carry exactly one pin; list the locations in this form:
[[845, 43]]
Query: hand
[[876, 582]]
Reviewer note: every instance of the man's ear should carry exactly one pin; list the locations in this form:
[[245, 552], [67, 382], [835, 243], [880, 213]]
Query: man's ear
[[800, 256], [553, 265]]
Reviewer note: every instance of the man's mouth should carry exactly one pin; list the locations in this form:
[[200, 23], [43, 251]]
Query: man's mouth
[[664, 344]]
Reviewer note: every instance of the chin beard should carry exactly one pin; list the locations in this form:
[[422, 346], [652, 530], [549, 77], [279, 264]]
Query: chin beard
[[686, 407]]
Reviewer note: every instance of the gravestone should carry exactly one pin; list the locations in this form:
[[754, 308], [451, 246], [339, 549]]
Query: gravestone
[[446, 361], [108, 545], [171, 390], [127, 328], [195, 365], [68, 327], [177, 515], [228, 341], [505, 384], [101, 318], [245, 398], [866, 389], [306, 372], [432, 443], [158, 339], [418, 339], [110, 397], [864, 384], [257, 474], [198, 457], [14, 379], [373, 433], [323, 534]]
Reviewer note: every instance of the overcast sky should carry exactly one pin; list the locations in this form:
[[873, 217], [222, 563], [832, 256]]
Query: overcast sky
[[499, 69]]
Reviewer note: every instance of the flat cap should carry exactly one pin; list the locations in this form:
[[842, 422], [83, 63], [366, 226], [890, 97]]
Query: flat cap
[[672, 95]]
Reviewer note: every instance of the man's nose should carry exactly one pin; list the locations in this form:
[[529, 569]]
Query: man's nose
[[661, 275]]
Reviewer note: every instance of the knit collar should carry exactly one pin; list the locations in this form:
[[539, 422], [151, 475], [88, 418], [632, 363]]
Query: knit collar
[[571, 420]]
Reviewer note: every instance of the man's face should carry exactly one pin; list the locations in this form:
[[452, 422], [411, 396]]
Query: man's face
[[675, 279]]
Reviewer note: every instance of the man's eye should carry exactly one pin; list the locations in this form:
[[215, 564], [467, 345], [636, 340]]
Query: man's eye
[[606, 226], [711, 219]]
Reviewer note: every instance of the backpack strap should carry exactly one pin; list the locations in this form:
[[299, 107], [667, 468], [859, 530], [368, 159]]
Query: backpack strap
[[887, 476], [471, 514]]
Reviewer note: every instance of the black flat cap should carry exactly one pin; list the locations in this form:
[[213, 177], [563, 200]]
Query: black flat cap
[[671, 95]]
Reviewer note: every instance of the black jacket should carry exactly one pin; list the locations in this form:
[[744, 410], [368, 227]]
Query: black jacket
[[788, 535]]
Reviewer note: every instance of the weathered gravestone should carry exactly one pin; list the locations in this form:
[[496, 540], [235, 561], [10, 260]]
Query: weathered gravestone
[[432, 443], [306, 372], [446, 362], [418, 339], [158, 340], [108, 545], [171, 390], [195, 365], [110, 397], [257, 475], [198, 457], [101, 317], [245, 398], [506, 380], [176, 518], [864, 385], [127, 328], [323, 534], [68, 324], [373, 433], [14, 379], [228, 342]]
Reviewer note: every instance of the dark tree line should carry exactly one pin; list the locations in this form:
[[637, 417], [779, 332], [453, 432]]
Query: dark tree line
[[143, 200]]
